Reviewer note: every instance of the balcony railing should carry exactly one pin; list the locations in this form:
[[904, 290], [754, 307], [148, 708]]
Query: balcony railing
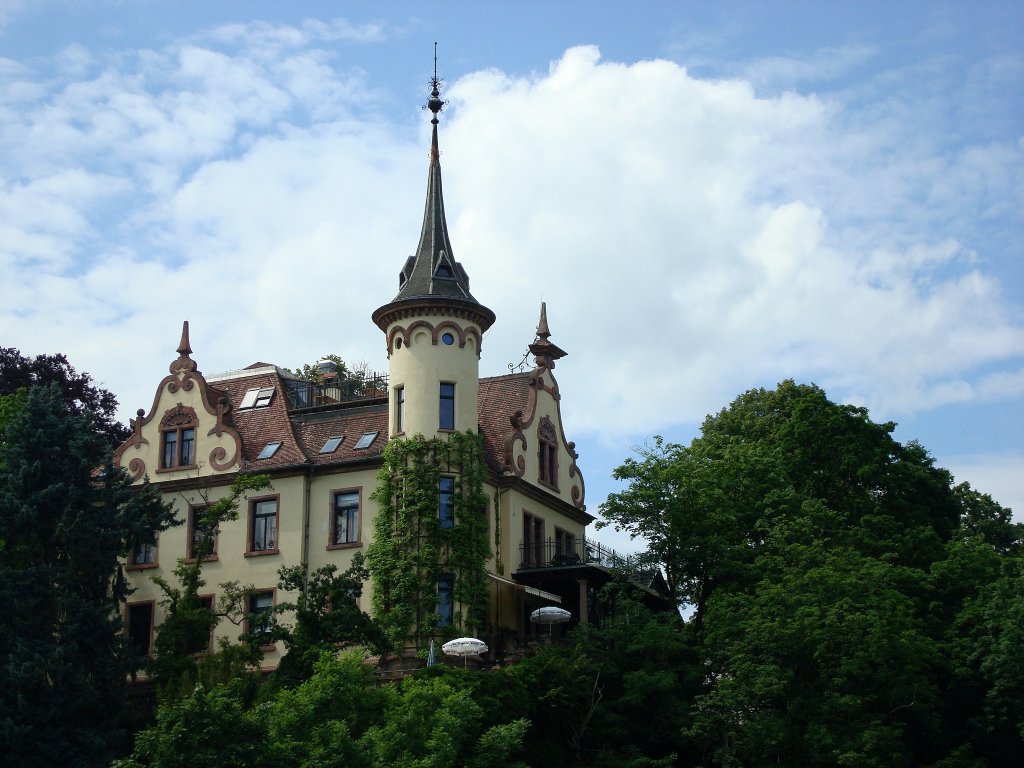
[[352, 387], [553, 553]]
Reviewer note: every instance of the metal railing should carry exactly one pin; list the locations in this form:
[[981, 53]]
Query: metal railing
[[552, 553], [349, 388]]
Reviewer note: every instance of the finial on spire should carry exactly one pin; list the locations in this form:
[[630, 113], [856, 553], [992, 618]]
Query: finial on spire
[[184, 348], [434, 103], [545, 352], [183, 362]]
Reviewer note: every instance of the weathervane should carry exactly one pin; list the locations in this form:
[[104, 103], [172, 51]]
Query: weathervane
[[434, 103]]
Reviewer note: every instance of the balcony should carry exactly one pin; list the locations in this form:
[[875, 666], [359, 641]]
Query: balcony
[[352, 387], [561, 554]]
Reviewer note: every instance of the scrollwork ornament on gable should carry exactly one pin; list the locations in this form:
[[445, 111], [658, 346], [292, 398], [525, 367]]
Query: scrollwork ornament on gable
[[516, 466]]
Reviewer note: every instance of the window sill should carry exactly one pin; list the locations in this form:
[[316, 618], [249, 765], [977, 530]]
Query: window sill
[[207, 559], [261, 552], [442, 430], [141, 566], [183, 467], [546, 484], [347, 545]]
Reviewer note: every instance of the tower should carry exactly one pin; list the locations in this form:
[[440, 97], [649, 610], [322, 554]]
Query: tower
[[434, 326]]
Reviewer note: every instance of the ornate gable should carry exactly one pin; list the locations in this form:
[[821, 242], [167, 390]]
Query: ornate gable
[[188, 428]]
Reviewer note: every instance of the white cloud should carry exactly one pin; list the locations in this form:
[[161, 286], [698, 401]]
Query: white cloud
[[997, 474], [691, 237]]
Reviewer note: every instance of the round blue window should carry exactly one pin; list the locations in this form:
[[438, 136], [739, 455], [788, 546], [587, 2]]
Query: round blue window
[[448, 339]]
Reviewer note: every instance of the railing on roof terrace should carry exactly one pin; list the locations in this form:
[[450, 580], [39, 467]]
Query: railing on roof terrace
[[560, 553], [350, 388]]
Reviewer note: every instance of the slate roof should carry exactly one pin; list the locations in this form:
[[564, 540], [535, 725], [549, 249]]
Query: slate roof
[[432, 275]]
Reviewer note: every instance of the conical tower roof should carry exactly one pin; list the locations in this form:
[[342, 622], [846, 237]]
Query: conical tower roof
[[432, 280]]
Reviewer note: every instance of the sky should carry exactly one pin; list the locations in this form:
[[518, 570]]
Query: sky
[[710, 197]]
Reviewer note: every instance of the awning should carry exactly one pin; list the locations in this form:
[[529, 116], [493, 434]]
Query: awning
[[528, 590]]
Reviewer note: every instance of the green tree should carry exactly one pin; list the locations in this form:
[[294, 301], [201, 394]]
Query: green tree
[[67, 515], [81, 396], [831, 574], [189, 622], [326, 615]]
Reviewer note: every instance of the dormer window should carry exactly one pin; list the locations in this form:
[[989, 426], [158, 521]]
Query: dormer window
[[178, 438], [444, 271], [257, 398]]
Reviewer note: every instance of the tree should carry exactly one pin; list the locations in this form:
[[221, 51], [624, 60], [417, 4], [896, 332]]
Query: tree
[[67, 515], [833, 575], [77, 389], [189, 622], [327, 615]]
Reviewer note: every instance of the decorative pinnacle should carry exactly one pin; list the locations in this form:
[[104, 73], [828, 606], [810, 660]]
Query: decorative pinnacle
[[434, 103], [184, 348]]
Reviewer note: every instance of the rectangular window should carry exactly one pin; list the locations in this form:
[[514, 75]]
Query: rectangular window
[[263, 525], [533, 540], [400, 409], [565, 548], [144, 555], [446, 501], [259, 616], [179, 448], [140, 627], [345, 527], [170, 449], [188, 447], [200, 535], [208, 602], [447, 407], [446, 600]]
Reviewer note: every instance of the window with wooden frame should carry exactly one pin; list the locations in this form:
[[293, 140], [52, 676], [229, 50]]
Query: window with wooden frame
[[344, 526], [264, 518], [258, 617], [143, 556], [178, 438], [565, 548], [208, 602], [547, 453], [139, 626], [201, 535], [533, 541]]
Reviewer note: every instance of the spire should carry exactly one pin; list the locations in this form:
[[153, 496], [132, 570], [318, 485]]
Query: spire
[[432, 274], [545, 352], [183, 362]]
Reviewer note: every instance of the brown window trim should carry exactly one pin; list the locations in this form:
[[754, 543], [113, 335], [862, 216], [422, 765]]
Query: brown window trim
[[249, 551], [189, 557], [272, 591], [331, 496], [131, 565], [152, 621], [547, 454], [210, 646]]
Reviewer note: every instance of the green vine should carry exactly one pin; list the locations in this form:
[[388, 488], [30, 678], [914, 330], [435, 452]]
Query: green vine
[[411, 551]]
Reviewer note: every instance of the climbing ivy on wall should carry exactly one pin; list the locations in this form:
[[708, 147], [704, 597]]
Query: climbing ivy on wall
[[411, 550]]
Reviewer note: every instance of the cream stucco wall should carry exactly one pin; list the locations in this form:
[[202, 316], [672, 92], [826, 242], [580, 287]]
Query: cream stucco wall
[[420, 361]]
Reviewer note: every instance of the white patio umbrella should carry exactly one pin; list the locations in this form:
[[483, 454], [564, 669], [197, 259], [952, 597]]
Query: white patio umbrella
[[550, 615], [465, 647]]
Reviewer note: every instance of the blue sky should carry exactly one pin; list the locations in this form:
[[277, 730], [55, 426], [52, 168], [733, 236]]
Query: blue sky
[[709, 196]]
